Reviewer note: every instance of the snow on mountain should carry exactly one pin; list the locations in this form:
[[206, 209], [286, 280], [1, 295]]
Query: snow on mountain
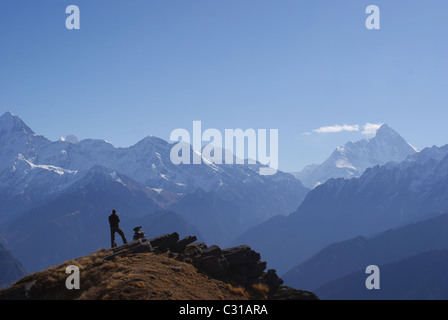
[[17, 138], [36, 167], [352, 159]]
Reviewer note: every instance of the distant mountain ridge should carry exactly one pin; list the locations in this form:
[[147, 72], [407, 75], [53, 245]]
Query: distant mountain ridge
[[383, 197], [33, 168], [352, 159], [343, 258], [11, 269], [420, 277]]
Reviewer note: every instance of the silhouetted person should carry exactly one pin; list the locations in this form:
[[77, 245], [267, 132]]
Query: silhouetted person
[[114, 227]]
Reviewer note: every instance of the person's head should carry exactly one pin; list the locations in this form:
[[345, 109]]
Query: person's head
[[113, 211]]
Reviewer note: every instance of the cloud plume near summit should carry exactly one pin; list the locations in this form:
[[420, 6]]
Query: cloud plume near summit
[[369, 129]]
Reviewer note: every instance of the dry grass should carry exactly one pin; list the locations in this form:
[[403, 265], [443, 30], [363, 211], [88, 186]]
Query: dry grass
[[240, 291], [140, 276], [260, 291]]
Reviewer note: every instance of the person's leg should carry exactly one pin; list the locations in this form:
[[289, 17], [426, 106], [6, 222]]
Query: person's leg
[[112, 238], [121, 233]]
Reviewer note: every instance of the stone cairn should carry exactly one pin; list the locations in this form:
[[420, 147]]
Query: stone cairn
[[138, 234], [238, 265]]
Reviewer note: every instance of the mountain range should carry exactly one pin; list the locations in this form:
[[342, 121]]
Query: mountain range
[[370, 200], [33, 169], [384, 197], [56, 195]]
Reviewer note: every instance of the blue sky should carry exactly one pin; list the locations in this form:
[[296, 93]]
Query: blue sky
[[143, 67]]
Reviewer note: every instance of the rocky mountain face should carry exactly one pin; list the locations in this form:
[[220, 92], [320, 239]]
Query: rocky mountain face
[[11, 269], [343, 258], [383, 197], [352, 159]]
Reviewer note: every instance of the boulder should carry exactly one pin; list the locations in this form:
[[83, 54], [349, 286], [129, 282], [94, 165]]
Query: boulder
[[194, 249], [272, 279], [209, 264], [241, 255], [237, 278], [180, 245], [126, 246], [213, 250], [137, 245], [253, 270], [211, 261], [145, 246], [164, 242]]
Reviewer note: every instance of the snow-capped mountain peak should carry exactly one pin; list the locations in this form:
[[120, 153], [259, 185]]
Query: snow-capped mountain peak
[[17, 138], [10, 123], [353, 158]]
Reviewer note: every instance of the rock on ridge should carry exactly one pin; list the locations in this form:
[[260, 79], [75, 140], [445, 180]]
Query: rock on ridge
[[238, 265]]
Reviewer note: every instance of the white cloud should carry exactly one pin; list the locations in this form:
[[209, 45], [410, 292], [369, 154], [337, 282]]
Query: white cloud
[[337, 128], [370, 129], [70, 138]]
